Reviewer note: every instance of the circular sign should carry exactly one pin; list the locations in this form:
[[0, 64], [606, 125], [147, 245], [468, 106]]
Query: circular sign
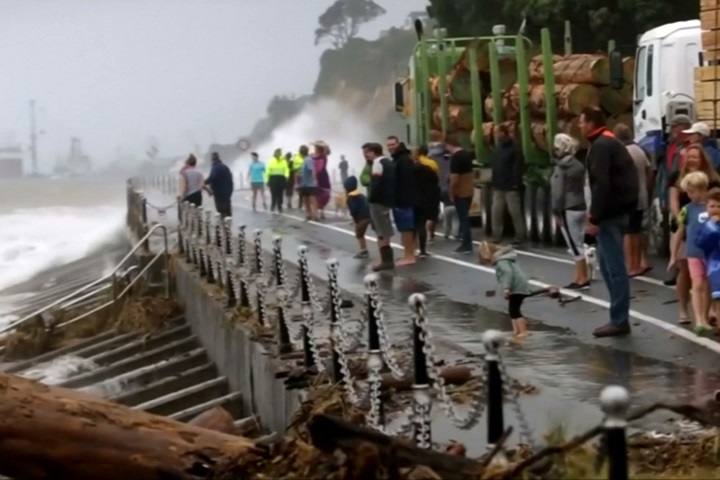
[[243, 145]]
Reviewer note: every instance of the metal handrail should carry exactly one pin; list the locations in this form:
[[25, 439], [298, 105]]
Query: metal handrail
[[108, 277]]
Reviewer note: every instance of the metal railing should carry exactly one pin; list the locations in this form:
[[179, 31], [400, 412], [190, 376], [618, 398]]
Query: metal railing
[[108, 281]]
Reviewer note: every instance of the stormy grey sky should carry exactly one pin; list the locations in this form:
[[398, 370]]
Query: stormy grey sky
[[119, 72]]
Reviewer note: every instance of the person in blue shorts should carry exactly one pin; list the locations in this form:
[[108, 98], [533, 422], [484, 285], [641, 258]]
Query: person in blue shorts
[[256, 174], [406, 198]]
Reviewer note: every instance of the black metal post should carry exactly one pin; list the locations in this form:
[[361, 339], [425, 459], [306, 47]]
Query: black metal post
[[374, 348], [492, 339], [305, 301], [229, 283], [284, 342], [422, 403], [242, 262], [200, 236], [192, 228], [182, 216], [615, 403], [334, 291], [257, 244], [209, 247]]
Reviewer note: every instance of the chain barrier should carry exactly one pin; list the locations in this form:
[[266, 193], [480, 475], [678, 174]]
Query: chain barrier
[[418, 305], [224, 259]]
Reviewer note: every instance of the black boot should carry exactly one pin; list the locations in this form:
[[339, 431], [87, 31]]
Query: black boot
[[387, 259]]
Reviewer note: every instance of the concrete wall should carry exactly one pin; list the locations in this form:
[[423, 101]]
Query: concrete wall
[[249, 367]]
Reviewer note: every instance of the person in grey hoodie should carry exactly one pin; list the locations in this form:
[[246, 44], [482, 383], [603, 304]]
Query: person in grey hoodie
[[567, 191]]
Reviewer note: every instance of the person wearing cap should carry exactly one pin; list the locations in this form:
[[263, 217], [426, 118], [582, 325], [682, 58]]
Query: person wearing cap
[[699, 132], [674, 159]]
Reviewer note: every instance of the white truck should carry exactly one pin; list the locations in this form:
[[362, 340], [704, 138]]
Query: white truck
[[664, 87]]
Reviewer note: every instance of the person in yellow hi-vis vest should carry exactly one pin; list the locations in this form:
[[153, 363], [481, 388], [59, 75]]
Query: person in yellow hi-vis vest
[[277, 173], [295, 167]]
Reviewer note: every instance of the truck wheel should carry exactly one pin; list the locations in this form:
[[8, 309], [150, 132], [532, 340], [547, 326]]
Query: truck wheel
[[546, 228], [659, 229], [535, 213]]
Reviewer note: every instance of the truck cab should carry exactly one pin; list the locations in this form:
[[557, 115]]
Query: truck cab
[[665, 61]]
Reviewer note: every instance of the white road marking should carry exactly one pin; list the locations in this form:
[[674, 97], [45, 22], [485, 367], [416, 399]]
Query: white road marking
[[669, 327], [550, 258]]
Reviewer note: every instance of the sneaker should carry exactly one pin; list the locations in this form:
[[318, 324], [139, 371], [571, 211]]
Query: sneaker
[[578, 286], [464, 250], [611, 330], [423, 254], [362, 254]]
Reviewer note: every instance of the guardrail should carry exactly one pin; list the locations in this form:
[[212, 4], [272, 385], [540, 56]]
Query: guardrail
[[110, 281]]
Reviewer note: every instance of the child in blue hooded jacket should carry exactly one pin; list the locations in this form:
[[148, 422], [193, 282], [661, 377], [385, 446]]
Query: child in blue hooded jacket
[[708, 240], [359, 210]]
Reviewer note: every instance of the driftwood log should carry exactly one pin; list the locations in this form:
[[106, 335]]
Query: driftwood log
[[330, 433], [51, 432]]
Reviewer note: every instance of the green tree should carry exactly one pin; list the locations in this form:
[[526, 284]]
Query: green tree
[[343, 19], [594, 22]]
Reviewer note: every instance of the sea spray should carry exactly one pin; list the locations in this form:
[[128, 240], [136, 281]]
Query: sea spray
[[325, 120], [32, 240]]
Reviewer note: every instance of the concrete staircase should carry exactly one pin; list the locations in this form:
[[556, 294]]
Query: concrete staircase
[[167, 373]]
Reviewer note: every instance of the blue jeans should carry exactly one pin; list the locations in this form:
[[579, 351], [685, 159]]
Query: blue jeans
[[462, 207], [612, 267]]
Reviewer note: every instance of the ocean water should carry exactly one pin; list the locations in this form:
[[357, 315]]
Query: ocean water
[[48, 223], [45, 226]]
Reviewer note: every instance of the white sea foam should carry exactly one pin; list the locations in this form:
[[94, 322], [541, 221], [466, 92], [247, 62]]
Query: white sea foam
[[32, 240], [326, 120]]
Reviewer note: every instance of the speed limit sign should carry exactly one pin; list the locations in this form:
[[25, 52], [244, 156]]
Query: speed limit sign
[[243, 145]]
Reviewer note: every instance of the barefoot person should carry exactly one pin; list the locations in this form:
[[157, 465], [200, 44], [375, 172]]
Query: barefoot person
[[406, 196], [511, 279], [636, 259], [567, 189]]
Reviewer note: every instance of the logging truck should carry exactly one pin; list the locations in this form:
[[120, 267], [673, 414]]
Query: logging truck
[[464, 86]]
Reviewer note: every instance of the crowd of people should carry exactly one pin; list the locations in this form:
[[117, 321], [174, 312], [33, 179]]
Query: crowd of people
[[600, 200]]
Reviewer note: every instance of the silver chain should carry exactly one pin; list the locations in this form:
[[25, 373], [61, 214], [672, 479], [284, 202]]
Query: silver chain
[[308, 313], [525, 431], [386, 346], [476, 405]]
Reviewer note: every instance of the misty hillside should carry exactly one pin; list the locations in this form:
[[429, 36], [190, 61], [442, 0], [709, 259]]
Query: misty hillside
[[361, 75]]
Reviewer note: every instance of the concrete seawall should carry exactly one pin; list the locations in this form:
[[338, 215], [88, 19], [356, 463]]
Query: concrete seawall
[[249, 366]]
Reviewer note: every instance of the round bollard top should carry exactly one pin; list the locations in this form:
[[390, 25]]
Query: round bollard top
[[277, 239], [302, 250], [242, 228], [493, 340], [416, 300], [258, 233], [370, 280], [332, 263], [615, 401]]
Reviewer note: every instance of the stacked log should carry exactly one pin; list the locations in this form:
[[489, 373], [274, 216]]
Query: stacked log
[[581, 80]]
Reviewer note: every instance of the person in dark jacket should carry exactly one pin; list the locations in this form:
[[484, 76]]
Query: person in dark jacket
[[406, 198], [427, 208], [381, 197], [221, 186], [613, 195], [508, 168], [359, 210]]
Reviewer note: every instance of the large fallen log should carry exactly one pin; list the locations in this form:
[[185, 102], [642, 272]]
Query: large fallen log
[[51, 432], [329, 433]]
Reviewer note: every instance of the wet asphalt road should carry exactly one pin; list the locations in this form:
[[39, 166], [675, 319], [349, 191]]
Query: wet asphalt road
[[561, 357]]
